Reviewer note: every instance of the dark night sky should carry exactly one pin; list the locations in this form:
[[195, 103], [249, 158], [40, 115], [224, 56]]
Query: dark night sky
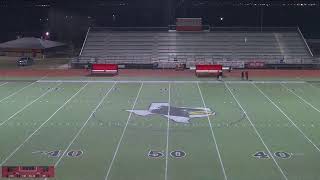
[[69, 19]]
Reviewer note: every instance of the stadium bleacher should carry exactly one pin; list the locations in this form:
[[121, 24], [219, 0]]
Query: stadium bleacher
[[103, 45]]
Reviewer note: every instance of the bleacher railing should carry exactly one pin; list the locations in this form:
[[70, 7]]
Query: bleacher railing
[[254, 29], [116, 59], [204, 27], [305, 41], [85, 41], [103, 29]]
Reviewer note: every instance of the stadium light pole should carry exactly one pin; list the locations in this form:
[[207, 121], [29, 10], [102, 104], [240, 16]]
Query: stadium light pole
[[47, 35], [113, 17], [261, 18]]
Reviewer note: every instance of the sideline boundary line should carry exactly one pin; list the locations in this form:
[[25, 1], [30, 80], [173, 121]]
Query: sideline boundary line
[[164, 81], [213, 136], [168, 128], [310, 84], [255, 129], [16, 92], [29, 104], [305, 101], [290, 120], [122, 135], [84, 125], [34, 132]]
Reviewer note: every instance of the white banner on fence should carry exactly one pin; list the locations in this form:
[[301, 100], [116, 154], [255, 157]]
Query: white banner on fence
[[232, 64]]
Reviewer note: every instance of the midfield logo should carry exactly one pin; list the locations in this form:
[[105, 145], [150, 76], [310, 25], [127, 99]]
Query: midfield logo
[[177, 114]]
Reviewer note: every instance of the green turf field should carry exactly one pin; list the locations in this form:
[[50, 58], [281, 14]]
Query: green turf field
[[163, 130]]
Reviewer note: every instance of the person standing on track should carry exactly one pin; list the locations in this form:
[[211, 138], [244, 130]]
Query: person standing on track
[[247, 75], [219, 77]]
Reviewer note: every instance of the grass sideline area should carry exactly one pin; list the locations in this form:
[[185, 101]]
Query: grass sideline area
[[118, 129]]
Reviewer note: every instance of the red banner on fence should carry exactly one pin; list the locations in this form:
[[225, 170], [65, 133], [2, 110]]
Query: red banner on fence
[[188, 24]]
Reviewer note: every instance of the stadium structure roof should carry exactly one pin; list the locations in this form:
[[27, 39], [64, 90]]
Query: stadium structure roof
[[31, 43]]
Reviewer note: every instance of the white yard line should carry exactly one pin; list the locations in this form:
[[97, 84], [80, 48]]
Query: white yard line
[[30, 136], [84, 125], [256, 131], [29, 104], [213, 136], [21, 90], [305, 101], [173, 81], [168, 128], [123, 131], [289, 119], [4, 84], [12, 94]]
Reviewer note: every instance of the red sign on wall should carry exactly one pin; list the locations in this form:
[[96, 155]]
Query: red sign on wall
[[188, 24]]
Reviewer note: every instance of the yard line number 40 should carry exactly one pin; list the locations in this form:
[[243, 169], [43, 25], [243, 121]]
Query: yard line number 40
[[58, 153], [278, 154]]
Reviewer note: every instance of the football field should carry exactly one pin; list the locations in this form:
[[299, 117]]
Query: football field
[[163, 130]]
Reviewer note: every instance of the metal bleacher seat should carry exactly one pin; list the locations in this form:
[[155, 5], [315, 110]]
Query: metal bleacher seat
[[105, 44]]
